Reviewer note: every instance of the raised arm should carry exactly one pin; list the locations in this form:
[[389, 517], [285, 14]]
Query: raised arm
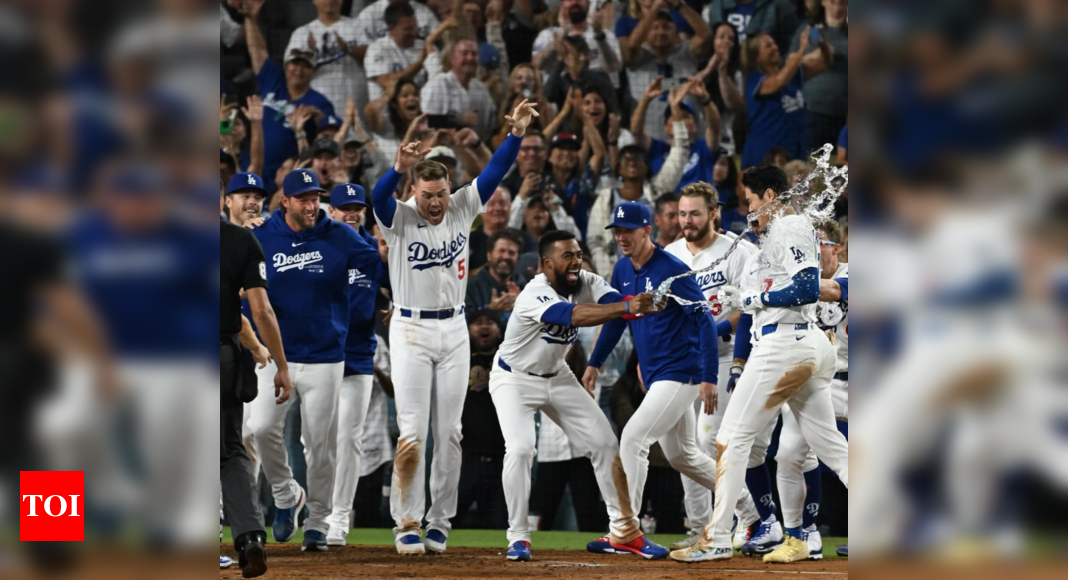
[[713, 120], [257, 45], [254, 113], [385, 205], [702, 34], [504, 157], [774, 82], [637, 121], [633, 46], [679, 154], [609, 53]]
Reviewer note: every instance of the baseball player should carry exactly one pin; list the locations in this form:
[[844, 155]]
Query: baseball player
[[529, 373], [700, 246], [798, 476], [430, 355], [348, 205], [679, 358], [309, 258], [245, 195], [792, 361]]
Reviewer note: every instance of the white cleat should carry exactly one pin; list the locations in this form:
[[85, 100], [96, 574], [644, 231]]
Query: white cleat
[[336, 537], [815, 543], [695, 554], [410, 544]]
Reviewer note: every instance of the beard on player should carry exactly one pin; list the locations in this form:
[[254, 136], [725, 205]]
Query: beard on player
[[693, 233], [567, 276]]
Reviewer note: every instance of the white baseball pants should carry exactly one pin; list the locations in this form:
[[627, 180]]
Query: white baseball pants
[[791, 367], [517, 396], [318, 386], [666, 416], [697, 497], [431, 362], [353, 402]]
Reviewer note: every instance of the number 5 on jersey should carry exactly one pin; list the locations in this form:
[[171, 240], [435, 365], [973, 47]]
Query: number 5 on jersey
[[460, 266]]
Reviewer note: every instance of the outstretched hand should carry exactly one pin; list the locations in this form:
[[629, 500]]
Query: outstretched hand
[[408, 156], [521, 117]]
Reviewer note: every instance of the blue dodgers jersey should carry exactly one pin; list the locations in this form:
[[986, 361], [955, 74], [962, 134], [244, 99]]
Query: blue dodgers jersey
[[278, 137], [775, 120], [668, 342], [308, 283], [361, 343], [156, 292], [698, 167]]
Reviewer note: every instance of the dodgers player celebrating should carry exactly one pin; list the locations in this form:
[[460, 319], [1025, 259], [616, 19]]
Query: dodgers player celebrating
[[677, 352], [798, 476], [700, 246], [792, 361], [348, 204], [308, 265], [430, 352], [530, 374]]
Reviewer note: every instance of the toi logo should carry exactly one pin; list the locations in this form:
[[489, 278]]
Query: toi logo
[[51, 506]]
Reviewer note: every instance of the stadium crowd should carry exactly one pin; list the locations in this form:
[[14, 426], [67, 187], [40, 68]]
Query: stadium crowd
[[636, 100]]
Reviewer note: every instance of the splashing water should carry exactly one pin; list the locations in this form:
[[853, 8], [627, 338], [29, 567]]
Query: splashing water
[[813, 205]]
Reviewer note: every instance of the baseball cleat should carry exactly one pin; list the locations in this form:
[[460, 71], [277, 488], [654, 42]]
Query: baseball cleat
[[603, 545], [811, 536], [519, 551], [767, 538], [336, 537], [842, 551], [696, 553], [410, 544], [791, 550], [435, 541], [253, 558], [642, 547], [225, 562], [740, 537], [686, 542], [285, 521], [314, 541]]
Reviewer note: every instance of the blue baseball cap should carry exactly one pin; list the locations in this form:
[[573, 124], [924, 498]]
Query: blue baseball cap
[[682, 105], [631, 215], [348, 193], [301, 181], [246, 182]]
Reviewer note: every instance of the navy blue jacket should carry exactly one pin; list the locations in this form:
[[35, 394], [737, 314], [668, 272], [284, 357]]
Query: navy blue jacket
[[361, 342], [676, 344], [308, 283]]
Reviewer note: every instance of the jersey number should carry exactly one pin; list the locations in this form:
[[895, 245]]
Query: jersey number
[[714, 306], [767, 284], [460, 265]]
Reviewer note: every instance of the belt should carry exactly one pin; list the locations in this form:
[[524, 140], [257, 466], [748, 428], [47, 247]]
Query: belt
[[842, 376], [442, 314], [772, 328], [504, 365]]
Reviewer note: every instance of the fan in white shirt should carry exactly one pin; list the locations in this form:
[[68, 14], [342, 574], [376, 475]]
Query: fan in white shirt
[[401, 53], [459, 93], [333, 39]]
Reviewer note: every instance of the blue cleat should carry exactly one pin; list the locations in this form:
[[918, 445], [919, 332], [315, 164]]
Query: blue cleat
[[435, 541], [314, 542], [409, 544], [519, 551], [603, 545], [842, 551], [285, 521], [225, 562], [642, 547], [766, 539]]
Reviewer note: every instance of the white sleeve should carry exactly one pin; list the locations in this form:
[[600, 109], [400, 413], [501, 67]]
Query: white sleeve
[[468, 201], [403, 215], [736, 267], [800, 250], [375, 62], [544, 38], [594, 287], [531, 305], [430, 104], [365, 27]]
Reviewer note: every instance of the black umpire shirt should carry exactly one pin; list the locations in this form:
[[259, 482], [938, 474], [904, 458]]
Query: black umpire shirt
[[242, 266]]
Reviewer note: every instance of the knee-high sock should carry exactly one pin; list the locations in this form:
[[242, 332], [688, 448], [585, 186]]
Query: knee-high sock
[[758, 480], [813, 496]]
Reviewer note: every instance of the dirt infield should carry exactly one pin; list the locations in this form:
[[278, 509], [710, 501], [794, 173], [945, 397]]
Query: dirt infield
[[287, 561]]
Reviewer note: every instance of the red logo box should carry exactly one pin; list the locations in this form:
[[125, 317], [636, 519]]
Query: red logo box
[[51, 506]]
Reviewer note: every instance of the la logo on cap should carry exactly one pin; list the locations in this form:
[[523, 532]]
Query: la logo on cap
[[349, 190], [620, 212], [307, 178], [251, 179]]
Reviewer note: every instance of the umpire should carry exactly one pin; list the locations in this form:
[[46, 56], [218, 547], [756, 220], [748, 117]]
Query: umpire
[[243, 266]]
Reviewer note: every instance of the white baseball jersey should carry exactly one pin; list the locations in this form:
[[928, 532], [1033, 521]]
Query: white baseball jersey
[[337, 74], [836, 315], [385, 57], [428, 263], [729, 271], [789, 247], [533, 346], [371, 21]]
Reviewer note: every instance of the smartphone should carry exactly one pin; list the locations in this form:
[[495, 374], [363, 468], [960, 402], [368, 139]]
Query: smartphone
[[226, 126], [440, 122], [673, 83], [815, 35]]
